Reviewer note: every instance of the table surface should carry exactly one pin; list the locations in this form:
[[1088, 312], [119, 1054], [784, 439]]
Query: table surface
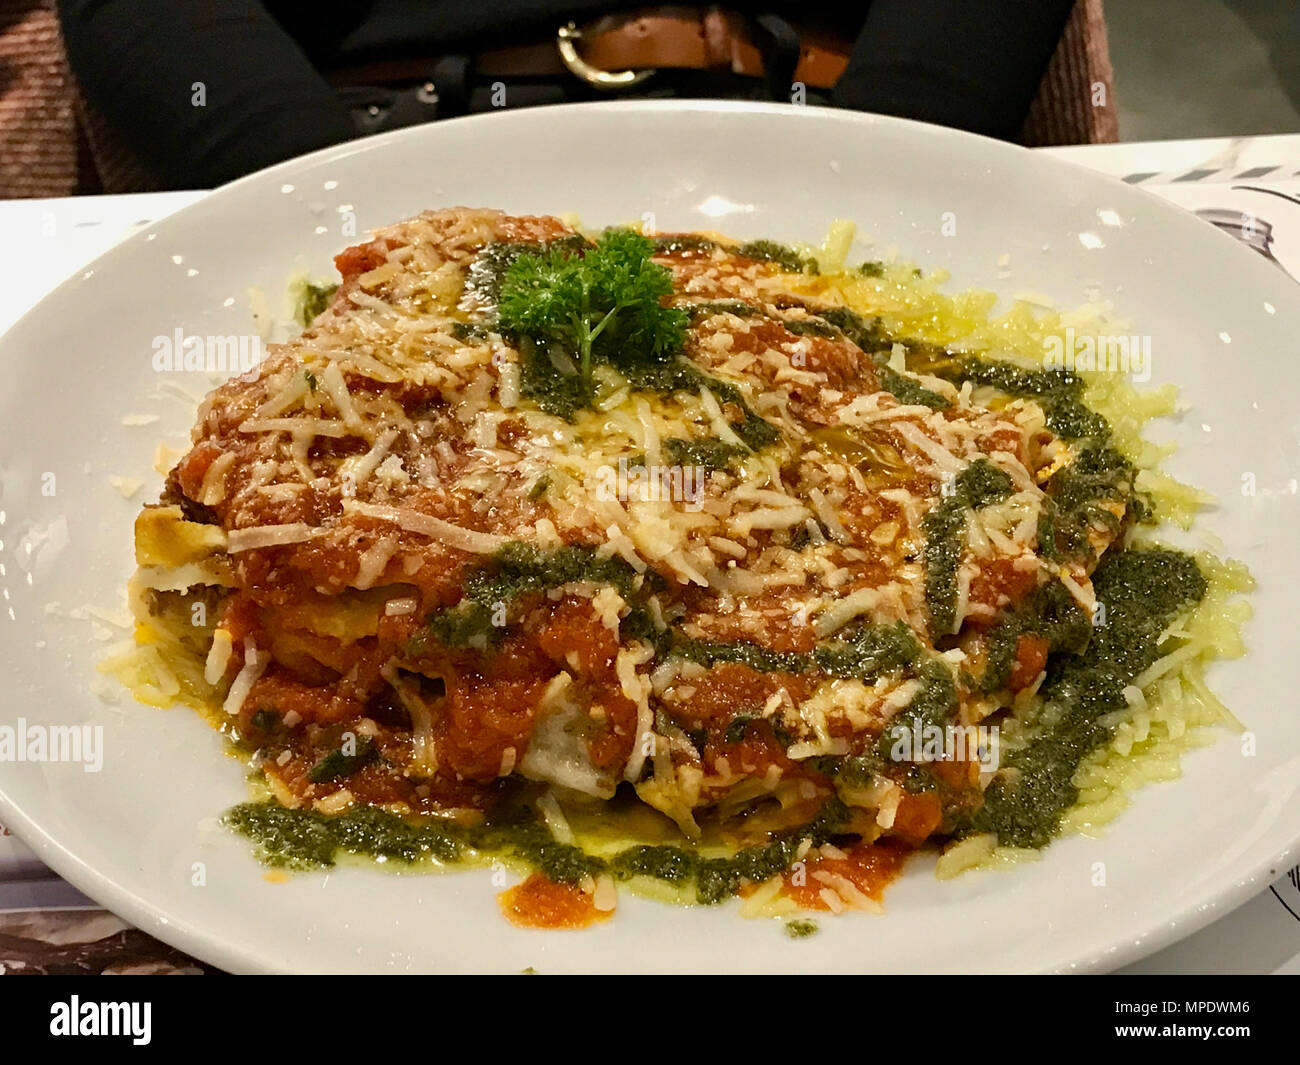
[[61, 236]]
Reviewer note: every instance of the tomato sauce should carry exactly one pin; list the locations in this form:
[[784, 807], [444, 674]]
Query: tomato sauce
[[540, 902], [918, 816], [1030, 660], [869, 867], [999, 583]]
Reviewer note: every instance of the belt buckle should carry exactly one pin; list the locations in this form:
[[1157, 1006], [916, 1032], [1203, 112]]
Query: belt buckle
[[593, 76]]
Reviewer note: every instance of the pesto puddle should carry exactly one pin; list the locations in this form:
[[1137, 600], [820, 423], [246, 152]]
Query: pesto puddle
[[304, 840]]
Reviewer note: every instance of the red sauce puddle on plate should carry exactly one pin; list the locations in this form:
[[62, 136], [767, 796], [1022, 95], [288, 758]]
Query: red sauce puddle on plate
[[540, 902], [869, 868]]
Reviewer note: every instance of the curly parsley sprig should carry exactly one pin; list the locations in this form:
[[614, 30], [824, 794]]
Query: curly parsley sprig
[[603, 306]]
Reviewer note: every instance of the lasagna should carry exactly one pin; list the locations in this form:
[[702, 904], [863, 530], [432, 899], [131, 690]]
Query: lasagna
[[649, 558]]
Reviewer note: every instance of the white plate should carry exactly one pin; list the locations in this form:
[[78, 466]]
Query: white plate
[[139, 835]]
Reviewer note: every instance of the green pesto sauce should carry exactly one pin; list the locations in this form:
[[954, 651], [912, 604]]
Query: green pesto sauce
[[864, 652], [771, 251], [719, 878], [810, 327], [709, 452], [859, 770], [709, 653], [1050, 612], [779, 254], [518, 569], [1143, 590], [800, 928], [524, 837], [550, 379], [677, 242], [471, 332], [934, 705], [866, 333], [908, 390], [306, 839], [739, 308], [1098, 475], [980, 484], [1058, 392], [754, 431], [1078, 492], [337, 764], [681, 375]]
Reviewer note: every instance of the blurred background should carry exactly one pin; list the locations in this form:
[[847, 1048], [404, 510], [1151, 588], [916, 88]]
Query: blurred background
[[1205, 68]]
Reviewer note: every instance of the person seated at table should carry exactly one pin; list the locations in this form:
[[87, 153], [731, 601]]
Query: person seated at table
[[201, 93]]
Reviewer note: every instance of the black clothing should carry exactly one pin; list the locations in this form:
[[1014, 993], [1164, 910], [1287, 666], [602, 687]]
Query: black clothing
[[204, 91]]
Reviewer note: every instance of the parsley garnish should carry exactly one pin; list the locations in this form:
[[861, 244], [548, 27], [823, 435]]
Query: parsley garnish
[[581, 310]]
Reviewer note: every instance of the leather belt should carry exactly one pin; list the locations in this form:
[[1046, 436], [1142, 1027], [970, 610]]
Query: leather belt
[[622, 50]]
